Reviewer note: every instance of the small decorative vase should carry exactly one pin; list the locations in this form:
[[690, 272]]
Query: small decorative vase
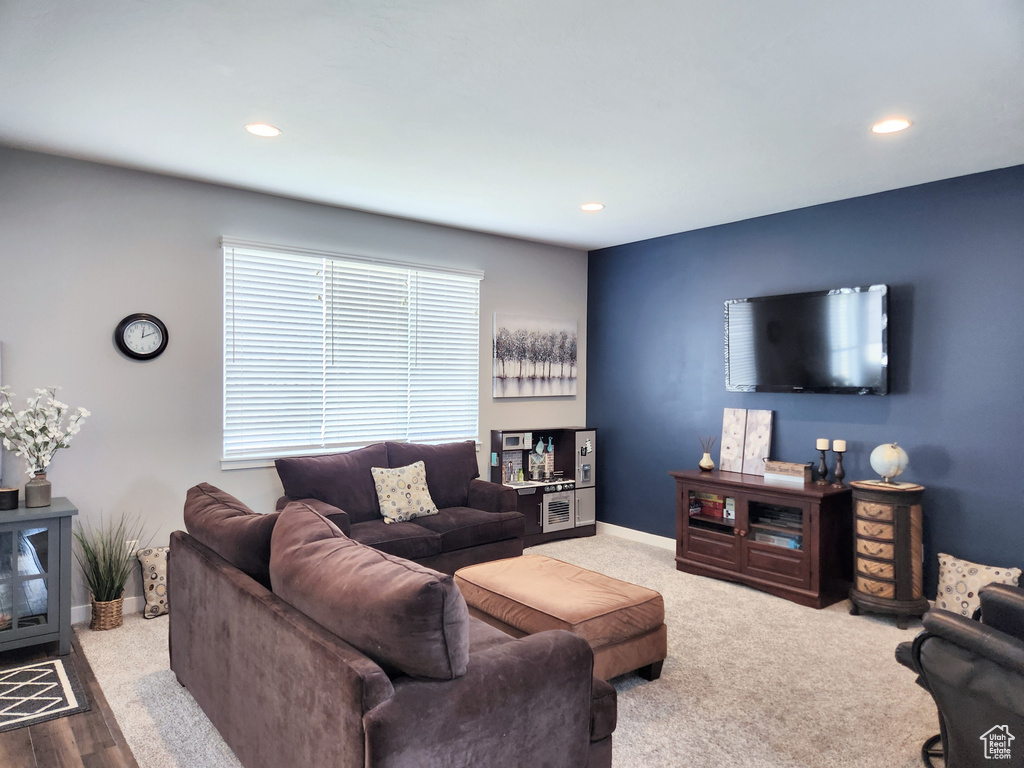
[[37, 491], [107, 615], [706, 463]]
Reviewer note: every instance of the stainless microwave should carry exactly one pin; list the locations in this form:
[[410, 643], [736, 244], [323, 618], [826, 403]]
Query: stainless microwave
[[516, 441]]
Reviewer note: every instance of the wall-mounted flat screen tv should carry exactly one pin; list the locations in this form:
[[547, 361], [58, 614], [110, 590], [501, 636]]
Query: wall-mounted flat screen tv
[[826, 341]]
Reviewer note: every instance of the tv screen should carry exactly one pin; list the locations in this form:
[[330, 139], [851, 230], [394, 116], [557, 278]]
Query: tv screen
[[826, 341]]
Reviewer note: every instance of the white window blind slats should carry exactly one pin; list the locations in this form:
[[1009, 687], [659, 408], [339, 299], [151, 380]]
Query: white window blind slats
[[323, 353]]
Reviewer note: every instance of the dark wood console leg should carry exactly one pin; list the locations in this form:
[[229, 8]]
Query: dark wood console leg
[[901, 622], [651, 671]]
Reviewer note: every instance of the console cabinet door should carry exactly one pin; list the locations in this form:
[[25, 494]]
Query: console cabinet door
[[775, 546], [709, 536]]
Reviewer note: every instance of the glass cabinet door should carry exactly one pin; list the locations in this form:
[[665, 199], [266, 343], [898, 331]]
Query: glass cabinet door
[[27, 561]]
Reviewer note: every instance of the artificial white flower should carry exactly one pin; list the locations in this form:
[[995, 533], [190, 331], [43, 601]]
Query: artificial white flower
[[35, 433]]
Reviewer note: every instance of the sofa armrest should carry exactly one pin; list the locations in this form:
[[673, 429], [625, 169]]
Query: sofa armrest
[[337, 516], [491, 497], [525, 702]]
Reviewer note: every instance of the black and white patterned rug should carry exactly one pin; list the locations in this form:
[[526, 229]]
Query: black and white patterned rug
[[44, 690]]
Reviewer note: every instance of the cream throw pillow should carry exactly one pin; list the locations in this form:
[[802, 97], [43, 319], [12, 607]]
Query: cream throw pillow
[[154, 580], [402, 492], [960, 580]]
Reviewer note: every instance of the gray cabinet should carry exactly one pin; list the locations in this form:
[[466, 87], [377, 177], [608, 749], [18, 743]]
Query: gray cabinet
[[35, 576], [586, 506]]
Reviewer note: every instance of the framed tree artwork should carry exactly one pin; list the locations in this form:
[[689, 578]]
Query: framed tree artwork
[[533, 356]]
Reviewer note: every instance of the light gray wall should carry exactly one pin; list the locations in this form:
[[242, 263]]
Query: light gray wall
[[82, 245]]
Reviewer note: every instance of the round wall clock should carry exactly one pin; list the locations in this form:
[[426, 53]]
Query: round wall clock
[[141, 336]]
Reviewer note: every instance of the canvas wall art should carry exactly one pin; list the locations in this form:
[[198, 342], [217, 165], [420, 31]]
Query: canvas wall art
[[533, 356], [734, 431], [758, 441], [746, 440]]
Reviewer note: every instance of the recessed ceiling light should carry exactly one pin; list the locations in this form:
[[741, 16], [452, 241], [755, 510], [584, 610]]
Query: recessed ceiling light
[[592, 206], [262, 129], [892, 125]]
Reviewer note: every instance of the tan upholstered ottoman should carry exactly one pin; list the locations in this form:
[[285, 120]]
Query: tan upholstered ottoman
[[624, 623]]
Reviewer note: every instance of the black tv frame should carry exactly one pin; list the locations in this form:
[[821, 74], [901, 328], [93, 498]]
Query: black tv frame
[[881, 389]]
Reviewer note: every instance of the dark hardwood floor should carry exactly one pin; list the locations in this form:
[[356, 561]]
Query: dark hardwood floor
[[86, 740]]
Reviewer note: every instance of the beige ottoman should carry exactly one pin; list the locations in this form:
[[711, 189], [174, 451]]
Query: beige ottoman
[[624, 623]]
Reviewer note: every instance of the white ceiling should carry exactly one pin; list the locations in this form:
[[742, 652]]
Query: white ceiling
[[505, 116]]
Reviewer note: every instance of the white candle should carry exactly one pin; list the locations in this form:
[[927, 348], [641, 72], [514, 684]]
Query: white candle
[[822, 444], [839, 446]]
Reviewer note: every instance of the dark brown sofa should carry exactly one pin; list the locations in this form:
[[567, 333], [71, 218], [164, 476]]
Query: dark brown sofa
[[477, 520], [359, 659]]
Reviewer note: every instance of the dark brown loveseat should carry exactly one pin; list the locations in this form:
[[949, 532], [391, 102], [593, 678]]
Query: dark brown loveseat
[[477, 520], [358, 659]]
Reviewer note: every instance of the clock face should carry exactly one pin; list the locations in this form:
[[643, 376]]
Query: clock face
[[141, 336]]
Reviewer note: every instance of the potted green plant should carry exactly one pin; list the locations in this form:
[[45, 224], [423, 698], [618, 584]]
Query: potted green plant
[[107, 557]]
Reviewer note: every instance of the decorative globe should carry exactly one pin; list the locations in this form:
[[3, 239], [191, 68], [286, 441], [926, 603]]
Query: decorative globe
[[889, 460]]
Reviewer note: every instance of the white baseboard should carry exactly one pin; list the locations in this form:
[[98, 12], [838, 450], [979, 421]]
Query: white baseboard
[[81, 613], [664, 542]]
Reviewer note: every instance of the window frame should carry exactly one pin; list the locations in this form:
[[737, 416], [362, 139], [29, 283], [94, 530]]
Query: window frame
[[265, 456]]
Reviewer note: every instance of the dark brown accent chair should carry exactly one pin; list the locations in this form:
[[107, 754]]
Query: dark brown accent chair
[[477, 520], [974, 670], [310, 650]]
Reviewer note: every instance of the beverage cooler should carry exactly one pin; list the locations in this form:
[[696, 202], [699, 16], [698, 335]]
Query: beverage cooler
[[553, 471]]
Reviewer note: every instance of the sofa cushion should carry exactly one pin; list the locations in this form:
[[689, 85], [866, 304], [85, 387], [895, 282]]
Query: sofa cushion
[[461, 527], [399, 539], [341, 479], [232, 530], [398, 613], [449, 467], [402, 492]]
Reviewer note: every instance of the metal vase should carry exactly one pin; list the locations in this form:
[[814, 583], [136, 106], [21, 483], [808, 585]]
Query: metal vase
[[37, 491]]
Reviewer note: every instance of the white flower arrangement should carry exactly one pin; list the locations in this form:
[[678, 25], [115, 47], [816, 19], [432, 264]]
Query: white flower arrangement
[[37, 432]]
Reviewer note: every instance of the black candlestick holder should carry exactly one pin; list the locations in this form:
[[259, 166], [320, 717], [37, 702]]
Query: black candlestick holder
[[840, 474], [822, 470]]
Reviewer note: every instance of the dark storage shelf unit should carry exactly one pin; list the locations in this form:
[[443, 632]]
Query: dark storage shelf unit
[[793, 541]]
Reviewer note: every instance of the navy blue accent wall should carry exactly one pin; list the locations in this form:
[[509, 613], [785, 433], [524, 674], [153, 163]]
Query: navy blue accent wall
[[952, 253]]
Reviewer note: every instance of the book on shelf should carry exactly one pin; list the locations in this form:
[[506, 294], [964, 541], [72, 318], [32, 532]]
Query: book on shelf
[[711, 497], [710, 504], [777, 539]]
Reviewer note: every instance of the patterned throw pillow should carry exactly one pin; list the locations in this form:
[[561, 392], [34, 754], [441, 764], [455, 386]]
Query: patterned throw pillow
[[402, 492], [960, 580], [154, 580]]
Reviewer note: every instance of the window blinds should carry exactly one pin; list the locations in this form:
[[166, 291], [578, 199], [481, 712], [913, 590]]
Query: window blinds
[[323, 352]]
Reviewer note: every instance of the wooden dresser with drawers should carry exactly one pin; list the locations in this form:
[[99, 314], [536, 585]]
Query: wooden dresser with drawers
[[887, 550]]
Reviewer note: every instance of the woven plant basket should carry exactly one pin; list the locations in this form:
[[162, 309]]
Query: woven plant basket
[[107, 615]]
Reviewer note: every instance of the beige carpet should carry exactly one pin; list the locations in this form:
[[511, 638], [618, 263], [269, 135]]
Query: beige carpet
[[752, 681]]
